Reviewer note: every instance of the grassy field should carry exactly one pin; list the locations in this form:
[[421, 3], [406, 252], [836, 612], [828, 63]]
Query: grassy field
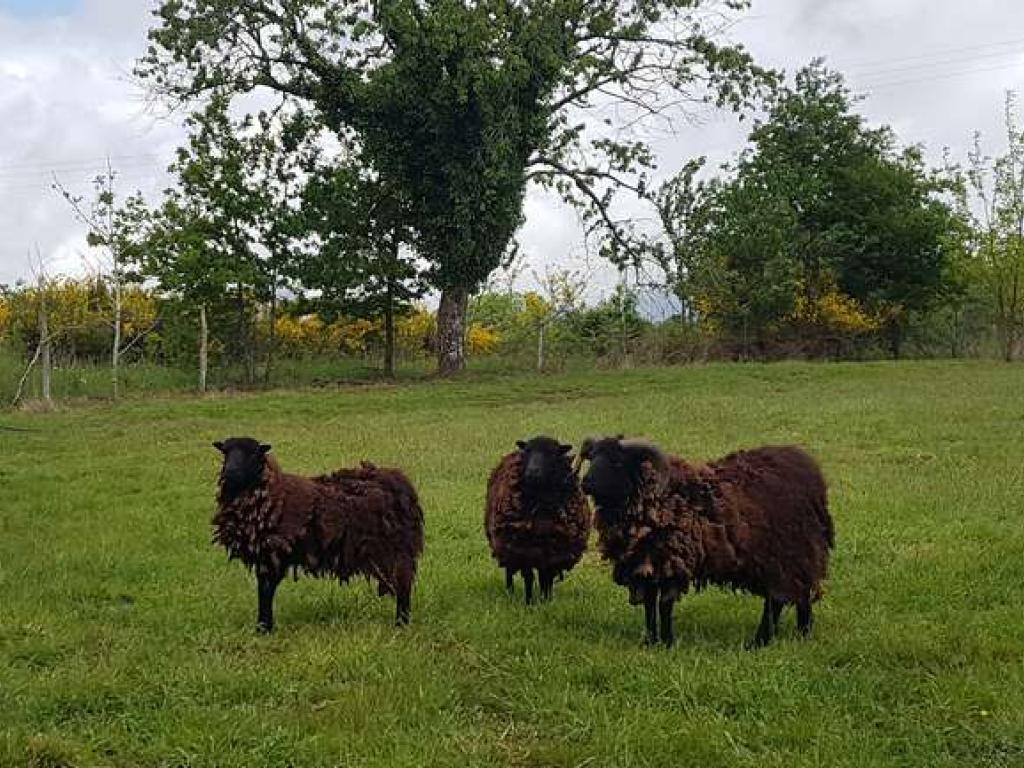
[[126, 639]]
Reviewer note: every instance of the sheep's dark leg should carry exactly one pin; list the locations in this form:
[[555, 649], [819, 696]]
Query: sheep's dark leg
[[528, 584], [666, 606], [651, 614], [404, 611], [266, 588], [547, 580], [510, 580], [766, 631], [404, 579], [804, 619]]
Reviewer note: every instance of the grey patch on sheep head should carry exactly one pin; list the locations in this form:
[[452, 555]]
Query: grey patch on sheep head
[[617, 468], [244, 460]]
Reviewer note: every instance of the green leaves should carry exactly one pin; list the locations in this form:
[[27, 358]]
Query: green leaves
[[818, 202], [459, 105]]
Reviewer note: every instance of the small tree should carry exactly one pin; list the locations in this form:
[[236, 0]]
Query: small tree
[[116, 230], [561, 294], [228, 225], [998, 186], [356, 258]]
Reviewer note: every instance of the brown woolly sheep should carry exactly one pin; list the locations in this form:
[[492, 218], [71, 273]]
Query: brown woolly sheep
[[754, 520], [536, 516], [364, 521]]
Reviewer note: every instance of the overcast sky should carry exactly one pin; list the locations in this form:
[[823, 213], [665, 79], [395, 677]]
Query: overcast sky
[[934, 71]]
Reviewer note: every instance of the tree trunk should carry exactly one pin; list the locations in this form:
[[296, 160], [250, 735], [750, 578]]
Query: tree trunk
[[389, 329], [272, 336], [451, 331], [955, 350], [204, 347], [896, 339], [541, 333], [115, 354], [745, 354], [242, 340], [44, 343]]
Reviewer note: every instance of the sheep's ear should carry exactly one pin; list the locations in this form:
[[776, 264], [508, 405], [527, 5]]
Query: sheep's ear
[[620, 437], [520, 445], [219, 446], [565, 448], [264, 448]]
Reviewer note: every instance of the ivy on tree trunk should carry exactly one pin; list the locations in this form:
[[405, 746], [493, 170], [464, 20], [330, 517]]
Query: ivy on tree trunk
[[451, 330]]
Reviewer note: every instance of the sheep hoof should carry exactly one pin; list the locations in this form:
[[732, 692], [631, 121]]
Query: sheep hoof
[[264, 629]]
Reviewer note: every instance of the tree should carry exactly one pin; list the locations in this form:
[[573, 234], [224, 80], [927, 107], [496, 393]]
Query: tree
[[115, 229], [819, 209], [682, 203], [461, 104], [561, 294], [227, 226], [356, 259], [998, 187]]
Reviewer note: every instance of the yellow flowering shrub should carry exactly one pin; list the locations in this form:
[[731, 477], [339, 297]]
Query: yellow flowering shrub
[[138, 311], [834, 311], [353, 335], [415, 331], [482, 340], [5, 318], [301, 335]]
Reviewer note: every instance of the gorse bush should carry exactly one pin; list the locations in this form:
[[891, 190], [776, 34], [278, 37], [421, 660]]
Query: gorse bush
[[80, 318]]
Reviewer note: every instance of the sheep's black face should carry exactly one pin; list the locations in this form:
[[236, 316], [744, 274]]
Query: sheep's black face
[[612, 476], [244, 460], [546, 464]]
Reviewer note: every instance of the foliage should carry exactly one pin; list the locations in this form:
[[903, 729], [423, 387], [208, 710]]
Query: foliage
[[459, 105], [997, 266], [79, 317], [416, 331], [833, 312], [482, 340], [820, 214]]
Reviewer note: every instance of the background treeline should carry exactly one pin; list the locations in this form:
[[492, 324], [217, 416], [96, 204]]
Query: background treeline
[[278, 257]]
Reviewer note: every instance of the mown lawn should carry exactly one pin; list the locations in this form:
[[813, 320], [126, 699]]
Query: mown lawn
[[126, 639]]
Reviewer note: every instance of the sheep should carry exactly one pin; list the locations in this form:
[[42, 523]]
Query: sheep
[[536, 517], [365, 521], [754, 520]]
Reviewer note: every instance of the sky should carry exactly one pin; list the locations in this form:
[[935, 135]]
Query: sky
[[936, 72]]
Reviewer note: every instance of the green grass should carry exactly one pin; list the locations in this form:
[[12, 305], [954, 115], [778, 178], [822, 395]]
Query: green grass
[[126, 639]]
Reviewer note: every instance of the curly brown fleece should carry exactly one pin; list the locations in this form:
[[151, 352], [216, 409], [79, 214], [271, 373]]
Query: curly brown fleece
[[551, 537], [754, 520], [365, 521]]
